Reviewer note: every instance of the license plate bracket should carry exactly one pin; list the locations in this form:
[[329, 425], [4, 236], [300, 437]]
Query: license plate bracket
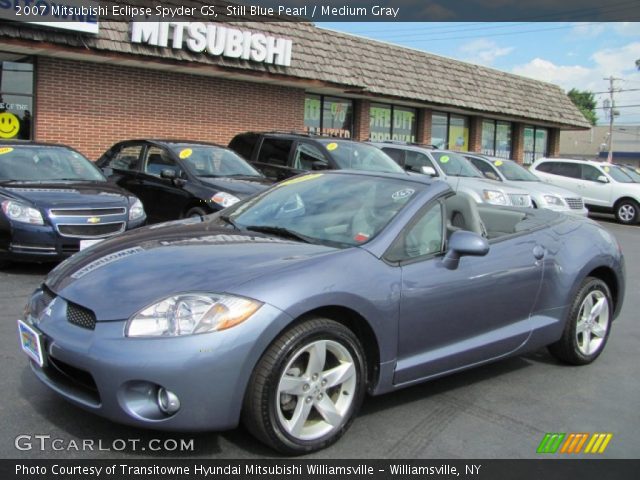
[[31, 342]]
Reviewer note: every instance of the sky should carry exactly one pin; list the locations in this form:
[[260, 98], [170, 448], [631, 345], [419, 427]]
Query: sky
[[572, 55]]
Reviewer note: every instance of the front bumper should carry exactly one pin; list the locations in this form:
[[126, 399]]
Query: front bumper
[[41, 243], [118, 378]]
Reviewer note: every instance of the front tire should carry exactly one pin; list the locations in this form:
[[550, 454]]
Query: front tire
[[627, 212], [195, 212], [587, 329], [307, 387]]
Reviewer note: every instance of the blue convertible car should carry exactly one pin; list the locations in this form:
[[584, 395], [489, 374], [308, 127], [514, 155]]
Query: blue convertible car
[[284, 310]]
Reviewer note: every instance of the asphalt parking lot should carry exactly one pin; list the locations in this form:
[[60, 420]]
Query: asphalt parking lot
[[498, 411]]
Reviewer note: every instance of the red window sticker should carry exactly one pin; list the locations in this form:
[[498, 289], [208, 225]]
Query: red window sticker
[[361, 237]]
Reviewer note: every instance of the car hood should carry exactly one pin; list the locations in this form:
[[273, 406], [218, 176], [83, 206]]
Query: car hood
[[542, 188], [480, 183], [66, 194], [120, 276], [244, 186]]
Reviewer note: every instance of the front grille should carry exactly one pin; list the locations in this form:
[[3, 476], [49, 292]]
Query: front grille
[[80, 316], [575, 203], [79, 383], [47, 295], [91, 231], [518, 200], [86, 212]]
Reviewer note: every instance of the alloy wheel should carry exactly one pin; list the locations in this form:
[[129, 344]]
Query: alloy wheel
[[593, 322]]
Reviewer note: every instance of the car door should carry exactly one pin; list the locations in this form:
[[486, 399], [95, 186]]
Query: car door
[[273, 158], [450, 319], [594, 191], [163, 198], [121, 165]]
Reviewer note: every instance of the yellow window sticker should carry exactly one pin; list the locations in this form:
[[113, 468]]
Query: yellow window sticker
[[497, 163], [637, 170], [332, 146], [4, 150], [9, 125], [304, 178], [444, 158], [606, 169], [185, 153]]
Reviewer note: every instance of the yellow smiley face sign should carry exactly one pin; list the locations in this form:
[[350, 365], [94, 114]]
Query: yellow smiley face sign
[[9, 125], [444, 159], [185, 153], [332, 146], [497, 163]]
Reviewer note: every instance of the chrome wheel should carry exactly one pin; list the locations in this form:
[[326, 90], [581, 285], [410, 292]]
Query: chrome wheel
[[627, 212], [316, 390], [593, 322]]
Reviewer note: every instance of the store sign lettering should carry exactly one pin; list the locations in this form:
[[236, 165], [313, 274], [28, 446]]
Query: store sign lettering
[[216, 40]]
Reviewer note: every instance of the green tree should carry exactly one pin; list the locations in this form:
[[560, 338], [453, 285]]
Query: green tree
[[586, 103]]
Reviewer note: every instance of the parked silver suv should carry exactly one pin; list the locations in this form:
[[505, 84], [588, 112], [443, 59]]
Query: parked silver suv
[[543, 195], [456, 170]]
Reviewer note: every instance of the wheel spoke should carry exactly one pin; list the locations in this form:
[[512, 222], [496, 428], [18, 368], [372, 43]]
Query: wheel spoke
[[598, 330], [596, 310], [327, 409], [586, 341], [291, 385], [587, 306], [581, 326], [317, 357], [338, 375], [299, 417]]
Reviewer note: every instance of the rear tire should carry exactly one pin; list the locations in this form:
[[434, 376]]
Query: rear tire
[[307, 388], [587, 329], [627, 211]]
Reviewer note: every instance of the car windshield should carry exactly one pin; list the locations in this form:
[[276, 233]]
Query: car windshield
[[332, 209], [634, 173], [359, 156], [455, 165], [211, 161], [618, 174], [23, 163], [513, 171]]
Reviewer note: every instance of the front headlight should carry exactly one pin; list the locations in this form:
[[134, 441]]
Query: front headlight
[[191, 313], [495, 197], [19, 212], [224, 199], [553, 201], [136, 209]]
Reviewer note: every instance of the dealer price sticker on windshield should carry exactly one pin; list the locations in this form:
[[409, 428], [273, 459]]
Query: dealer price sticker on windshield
[[31, 342]]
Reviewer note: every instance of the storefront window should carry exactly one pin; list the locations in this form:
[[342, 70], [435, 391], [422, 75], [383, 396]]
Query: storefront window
[[388, 122], [535, 144], [439, 126], [496, 138], [328, 115], [450, 131], [16, 97], [458, 133]]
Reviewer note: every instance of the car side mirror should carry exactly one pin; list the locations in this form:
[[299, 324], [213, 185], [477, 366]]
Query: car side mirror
[[169, 174], [428, 171], [602, 179], [318, 165], [464, 243]]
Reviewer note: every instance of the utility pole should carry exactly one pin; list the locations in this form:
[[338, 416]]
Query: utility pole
[[612, 113]]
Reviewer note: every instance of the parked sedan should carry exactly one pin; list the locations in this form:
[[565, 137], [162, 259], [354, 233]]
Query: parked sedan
[[285, 309], [54, 201], [178, 179], [543, 195]]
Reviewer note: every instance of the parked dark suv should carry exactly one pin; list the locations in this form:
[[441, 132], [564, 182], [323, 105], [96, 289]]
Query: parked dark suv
[[283, 155], [178, 179]]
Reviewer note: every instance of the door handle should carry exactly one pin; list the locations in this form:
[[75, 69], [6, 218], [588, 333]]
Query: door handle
[[538, 252]]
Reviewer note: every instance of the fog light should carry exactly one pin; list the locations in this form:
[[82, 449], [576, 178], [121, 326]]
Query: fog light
[[168, 401]]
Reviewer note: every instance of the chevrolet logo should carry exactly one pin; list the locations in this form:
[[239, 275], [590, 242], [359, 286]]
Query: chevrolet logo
[[93, 220]]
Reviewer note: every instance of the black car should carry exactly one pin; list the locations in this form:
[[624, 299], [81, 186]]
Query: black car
[[283, 155], [55, 201], [179, 179]]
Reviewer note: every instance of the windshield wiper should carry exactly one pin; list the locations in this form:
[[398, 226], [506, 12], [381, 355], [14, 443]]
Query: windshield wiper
[[280, 231]]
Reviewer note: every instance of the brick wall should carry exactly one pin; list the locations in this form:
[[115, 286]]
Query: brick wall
[[475, 134], [517, 142], [361, 120], [554, 142], [423, 134], [91, 106]]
